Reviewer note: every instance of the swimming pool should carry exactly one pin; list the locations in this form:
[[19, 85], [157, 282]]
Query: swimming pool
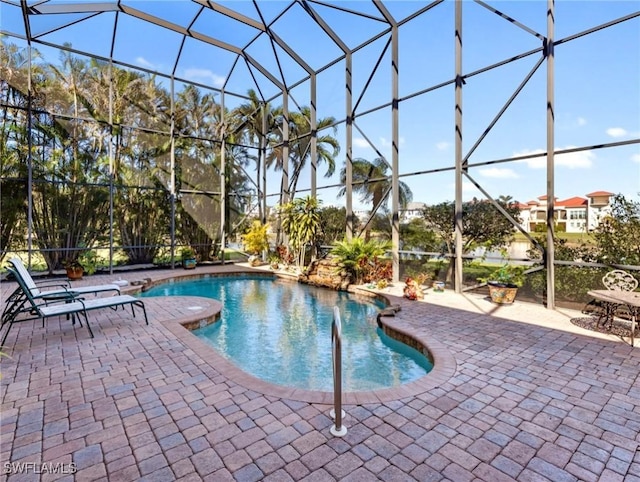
[[280, 331]]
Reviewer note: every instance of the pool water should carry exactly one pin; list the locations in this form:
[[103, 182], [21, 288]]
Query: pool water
[[280, 332]]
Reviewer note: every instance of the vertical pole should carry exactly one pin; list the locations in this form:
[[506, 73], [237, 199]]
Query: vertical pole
[[314, 135], [111, 167], [349, 133], [172, 184], [395, 136], [223, 183], [284, 181], [458, 150], [550, 255], [285, 147], [259, 164], [263, 150], [29, 166]]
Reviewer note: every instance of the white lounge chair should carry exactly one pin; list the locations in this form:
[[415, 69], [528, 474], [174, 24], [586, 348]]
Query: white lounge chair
[[36, 289], [49, 290], [28, 306]]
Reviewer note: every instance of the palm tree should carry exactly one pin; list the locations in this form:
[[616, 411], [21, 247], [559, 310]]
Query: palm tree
[[372, 181], [201, 123], [300, 135], [246, 126], [141, 201]]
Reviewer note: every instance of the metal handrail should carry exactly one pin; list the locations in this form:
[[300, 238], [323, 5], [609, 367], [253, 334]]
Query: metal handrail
[[336, 340]]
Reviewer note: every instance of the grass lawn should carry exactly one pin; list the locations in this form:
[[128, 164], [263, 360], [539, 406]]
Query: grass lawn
[[575, 238]]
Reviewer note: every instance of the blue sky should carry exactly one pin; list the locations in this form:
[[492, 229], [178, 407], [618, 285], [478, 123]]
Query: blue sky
[[597, 87]]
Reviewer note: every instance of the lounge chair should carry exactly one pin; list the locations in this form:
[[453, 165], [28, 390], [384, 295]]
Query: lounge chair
[[55, 289], [64, 286], [58, 302]]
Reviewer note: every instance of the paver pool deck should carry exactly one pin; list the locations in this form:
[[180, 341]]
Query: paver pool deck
[[518, 393]]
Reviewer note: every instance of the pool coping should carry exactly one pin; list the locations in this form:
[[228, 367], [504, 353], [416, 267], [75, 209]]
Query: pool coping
[[444, 363]]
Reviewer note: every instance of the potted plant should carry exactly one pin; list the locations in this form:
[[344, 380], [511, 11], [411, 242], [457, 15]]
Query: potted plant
[[89, 261], [504, 283], [274, 261], [74, 268], [188, 256]]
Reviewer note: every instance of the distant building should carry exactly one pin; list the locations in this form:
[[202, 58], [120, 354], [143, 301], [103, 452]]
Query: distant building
[[599, 207], [575, 214], [362, 214], [413, 210]]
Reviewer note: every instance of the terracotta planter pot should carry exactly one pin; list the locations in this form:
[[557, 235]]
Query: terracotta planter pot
[[75, 272]]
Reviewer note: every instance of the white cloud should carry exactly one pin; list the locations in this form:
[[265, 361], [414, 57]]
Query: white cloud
[[571, 160], [575, 160], [469, 190], [442, 146], [617, 132], [144, 63], [499, 173], [535, 163], [360, 142], [204, 76], [468, 186], [636, 158], [582, 121]]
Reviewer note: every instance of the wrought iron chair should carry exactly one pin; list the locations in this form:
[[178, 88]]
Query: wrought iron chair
[[615, 280], [619, 280]]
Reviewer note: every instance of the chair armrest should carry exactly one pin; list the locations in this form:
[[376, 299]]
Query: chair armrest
[[52, 283], [60, 297]]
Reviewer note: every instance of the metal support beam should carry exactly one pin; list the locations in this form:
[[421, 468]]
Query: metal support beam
[[458, 149], [550, 255], [262, 157], [172, 183], [349, 141], [111, 169], [223, 183], [395, 166], [314, 134], [29, 162], [284, 181], [284, 194]]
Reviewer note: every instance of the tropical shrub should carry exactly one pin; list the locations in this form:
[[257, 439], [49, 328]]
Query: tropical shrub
[[283, 254], [508, 274], [301, 224], [255, 239], [359, 257]]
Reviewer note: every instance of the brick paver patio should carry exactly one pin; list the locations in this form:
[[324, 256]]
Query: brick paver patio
[[518, 393]]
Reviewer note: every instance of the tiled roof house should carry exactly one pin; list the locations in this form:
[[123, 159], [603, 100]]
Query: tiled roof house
[[573, 215]]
